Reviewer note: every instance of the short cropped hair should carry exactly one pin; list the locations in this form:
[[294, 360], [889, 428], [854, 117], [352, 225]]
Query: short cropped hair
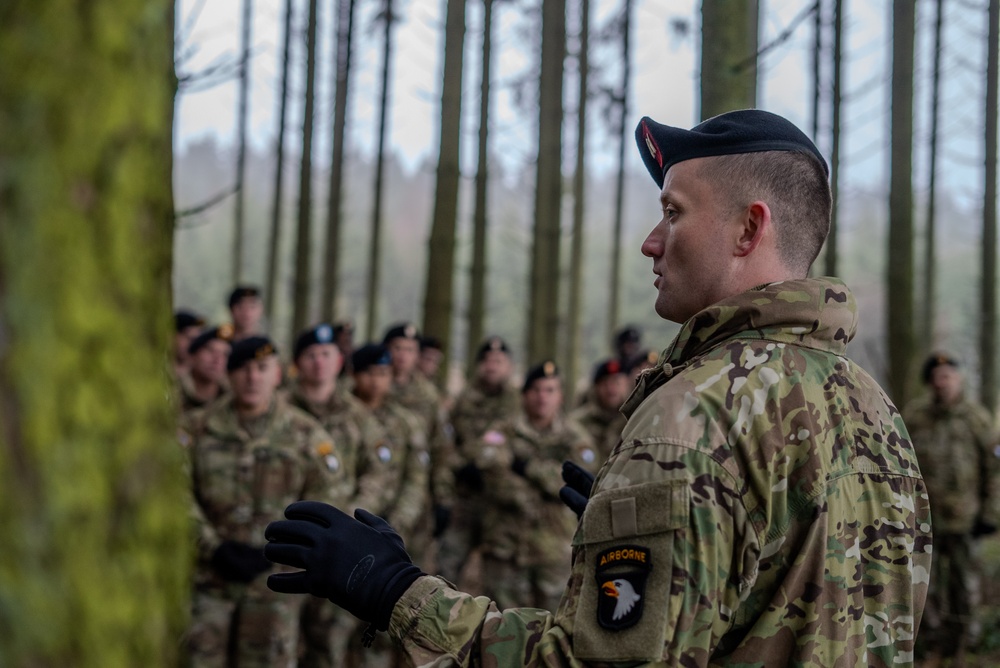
[[795, 188]]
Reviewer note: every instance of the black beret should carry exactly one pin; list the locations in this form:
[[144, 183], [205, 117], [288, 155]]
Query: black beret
[[428, 342], [341, 327], [251, 348], [934, 361], [369, 355], [222, 332], [185, 319], [628, 334], [489, 345], [546, 369], [405, 330], [242, 291], [743, 131], [321, 333], [607, 368], [650, 357]]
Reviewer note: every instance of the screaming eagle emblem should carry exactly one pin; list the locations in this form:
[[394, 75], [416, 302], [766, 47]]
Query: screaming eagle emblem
[[621, 582]]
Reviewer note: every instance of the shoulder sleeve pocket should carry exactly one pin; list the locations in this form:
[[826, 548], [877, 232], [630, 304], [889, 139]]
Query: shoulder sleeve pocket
[[626, 538]]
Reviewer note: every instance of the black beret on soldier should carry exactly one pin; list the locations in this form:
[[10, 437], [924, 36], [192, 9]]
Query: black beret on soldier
[[252, 348], [628, 334], [369, 355], [546, 369], [222, 332], [185, 319], [405, 330], [321, 333], [743, 131], [934, 361], [430, 343], [241, 292], [489, 345], [607, 368]]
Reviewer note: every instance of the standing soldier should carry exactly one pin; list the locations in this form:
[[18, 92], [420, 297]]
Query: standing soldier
[[364, 456], [628, 341], [954, 440], [251, 456], [187, 325], [526, 528], [601, 416], [247, 310], [431, 357], [205, 381], [488, 399]]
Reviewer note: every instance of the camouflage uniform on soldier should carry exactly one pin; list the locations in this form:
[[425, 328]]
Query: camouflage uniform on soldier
[[601, 416], [954, 440], [526, 528], [765, 507], [250, 457], [487, 400]]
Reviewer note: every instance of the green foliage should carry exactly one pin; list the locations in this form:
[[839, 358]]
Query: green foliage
[[93, 512]]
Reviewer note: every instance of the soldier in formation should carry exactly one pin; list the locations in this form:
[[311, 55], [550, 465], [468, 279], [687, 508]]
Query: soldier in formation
[[601, 416], [205, 380], [187, 325], [246, 307]]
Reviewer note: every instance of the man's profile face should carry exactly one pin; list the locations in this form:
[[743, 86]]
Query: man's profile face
[[373, 384], [319, 363], [494, 369], [254, 383], [247, 313], [404, 354], [209, 361], [689, 246], [946, 383], [543, 399]]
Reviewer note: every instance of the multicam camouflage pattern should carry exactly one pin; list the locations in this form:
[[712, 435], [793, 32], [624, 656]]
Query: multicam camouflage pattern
[[604, 426], [406, 462], [524, 522], [423, 399], [774, 486], [189, 399], [243, 478]]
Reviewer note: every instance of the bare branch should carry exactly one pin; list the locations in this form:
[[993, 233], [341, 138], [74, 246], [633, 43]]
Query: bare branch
[[201, 208]]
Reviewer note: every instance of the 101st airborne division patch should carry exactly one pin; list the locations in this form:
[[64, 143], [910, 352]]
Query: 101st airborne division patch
[[621, 575]]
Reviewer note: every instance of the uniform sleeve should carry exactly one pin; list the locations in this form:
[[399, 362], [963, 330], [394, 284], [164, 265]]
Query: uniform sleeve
[[322, 480], [408, 506], [986, 440]]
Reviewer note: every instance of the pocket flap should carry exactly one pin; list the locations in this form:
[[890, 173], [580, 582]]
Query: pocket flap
[[637, 510]]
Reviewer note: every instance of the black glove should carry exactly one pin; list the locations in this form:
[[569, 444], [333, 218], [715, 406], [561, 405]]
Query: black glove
[[239, 562], [471, 476], [359, 563], [579, 482], [982, 528], [442, 517], [519, 466]]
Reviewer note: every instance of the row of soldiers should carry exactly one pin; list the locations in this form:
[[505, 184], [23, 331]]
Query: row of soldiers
[[471, 484]]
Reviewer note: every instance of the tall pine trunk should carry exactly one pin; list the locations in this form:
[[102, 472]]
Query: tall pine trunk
[[383, 129], [303, 236], [575, 313], [831, 240], [344, 30], [543, 313], [616, 238], [930, 263], [478, 271], [988, 337], [97, 554], [899, 293], [241, 152], [728, 55], [274, 248], [439, 287]]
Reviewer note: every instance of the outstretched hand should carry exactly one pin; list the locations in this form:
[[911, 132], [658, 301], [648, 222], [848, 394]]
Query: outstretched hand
[[359, 563]]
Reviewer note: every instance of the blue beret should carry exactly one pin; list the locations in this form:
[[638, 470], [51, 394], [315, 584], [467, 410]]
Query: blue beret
[[372, 354], [321, 333], [743, 131], [251, 348]]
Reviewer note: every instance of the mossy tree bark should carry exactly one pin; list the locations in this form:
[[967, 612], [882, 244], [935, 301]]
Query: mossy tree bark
[[95, 564], [728, 55]]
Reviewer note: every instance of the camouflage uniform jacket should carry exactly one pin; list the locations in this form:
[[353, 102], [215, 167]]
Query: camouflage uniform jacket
[[422, 398], [475, 411], [765, 506], [524, 520], [190, 401], [358, 438], [955, 446], [604, 426], [403, 457], [241, 482]]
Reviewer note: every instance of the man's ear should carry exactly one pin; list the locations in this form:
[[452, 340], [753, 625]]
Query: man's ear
[[755, 224]]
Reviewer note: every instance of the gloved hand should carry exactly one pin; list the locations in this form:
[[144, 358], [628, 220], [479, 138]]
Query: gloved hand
[[576, 492], [982, 528], [471, 476], [359, 563], [442, 517], [239, 562]]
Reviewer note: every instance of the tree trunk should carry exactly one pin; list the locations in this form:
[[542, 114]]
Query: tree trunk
[[274, 252], [616, 239], [729, 64], [543, 314], [344, 35], [477, 274], [899, 295], [575, 315], [988, 390], [930, 264], [831, 240], [303, 272], [383, 128], [241, 131], [441, 247], [96, 559]]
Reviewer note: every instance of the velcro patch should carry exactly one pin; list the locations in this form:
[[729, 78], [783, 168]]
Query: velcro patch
[[621, 574]]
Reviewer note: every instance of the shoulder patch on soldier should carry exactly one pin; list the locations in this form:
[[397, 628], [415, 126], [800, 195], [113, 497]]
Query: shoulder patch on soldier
[[384, 453], [494, 437], [587, 454], [621, 575], [325, 450]]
